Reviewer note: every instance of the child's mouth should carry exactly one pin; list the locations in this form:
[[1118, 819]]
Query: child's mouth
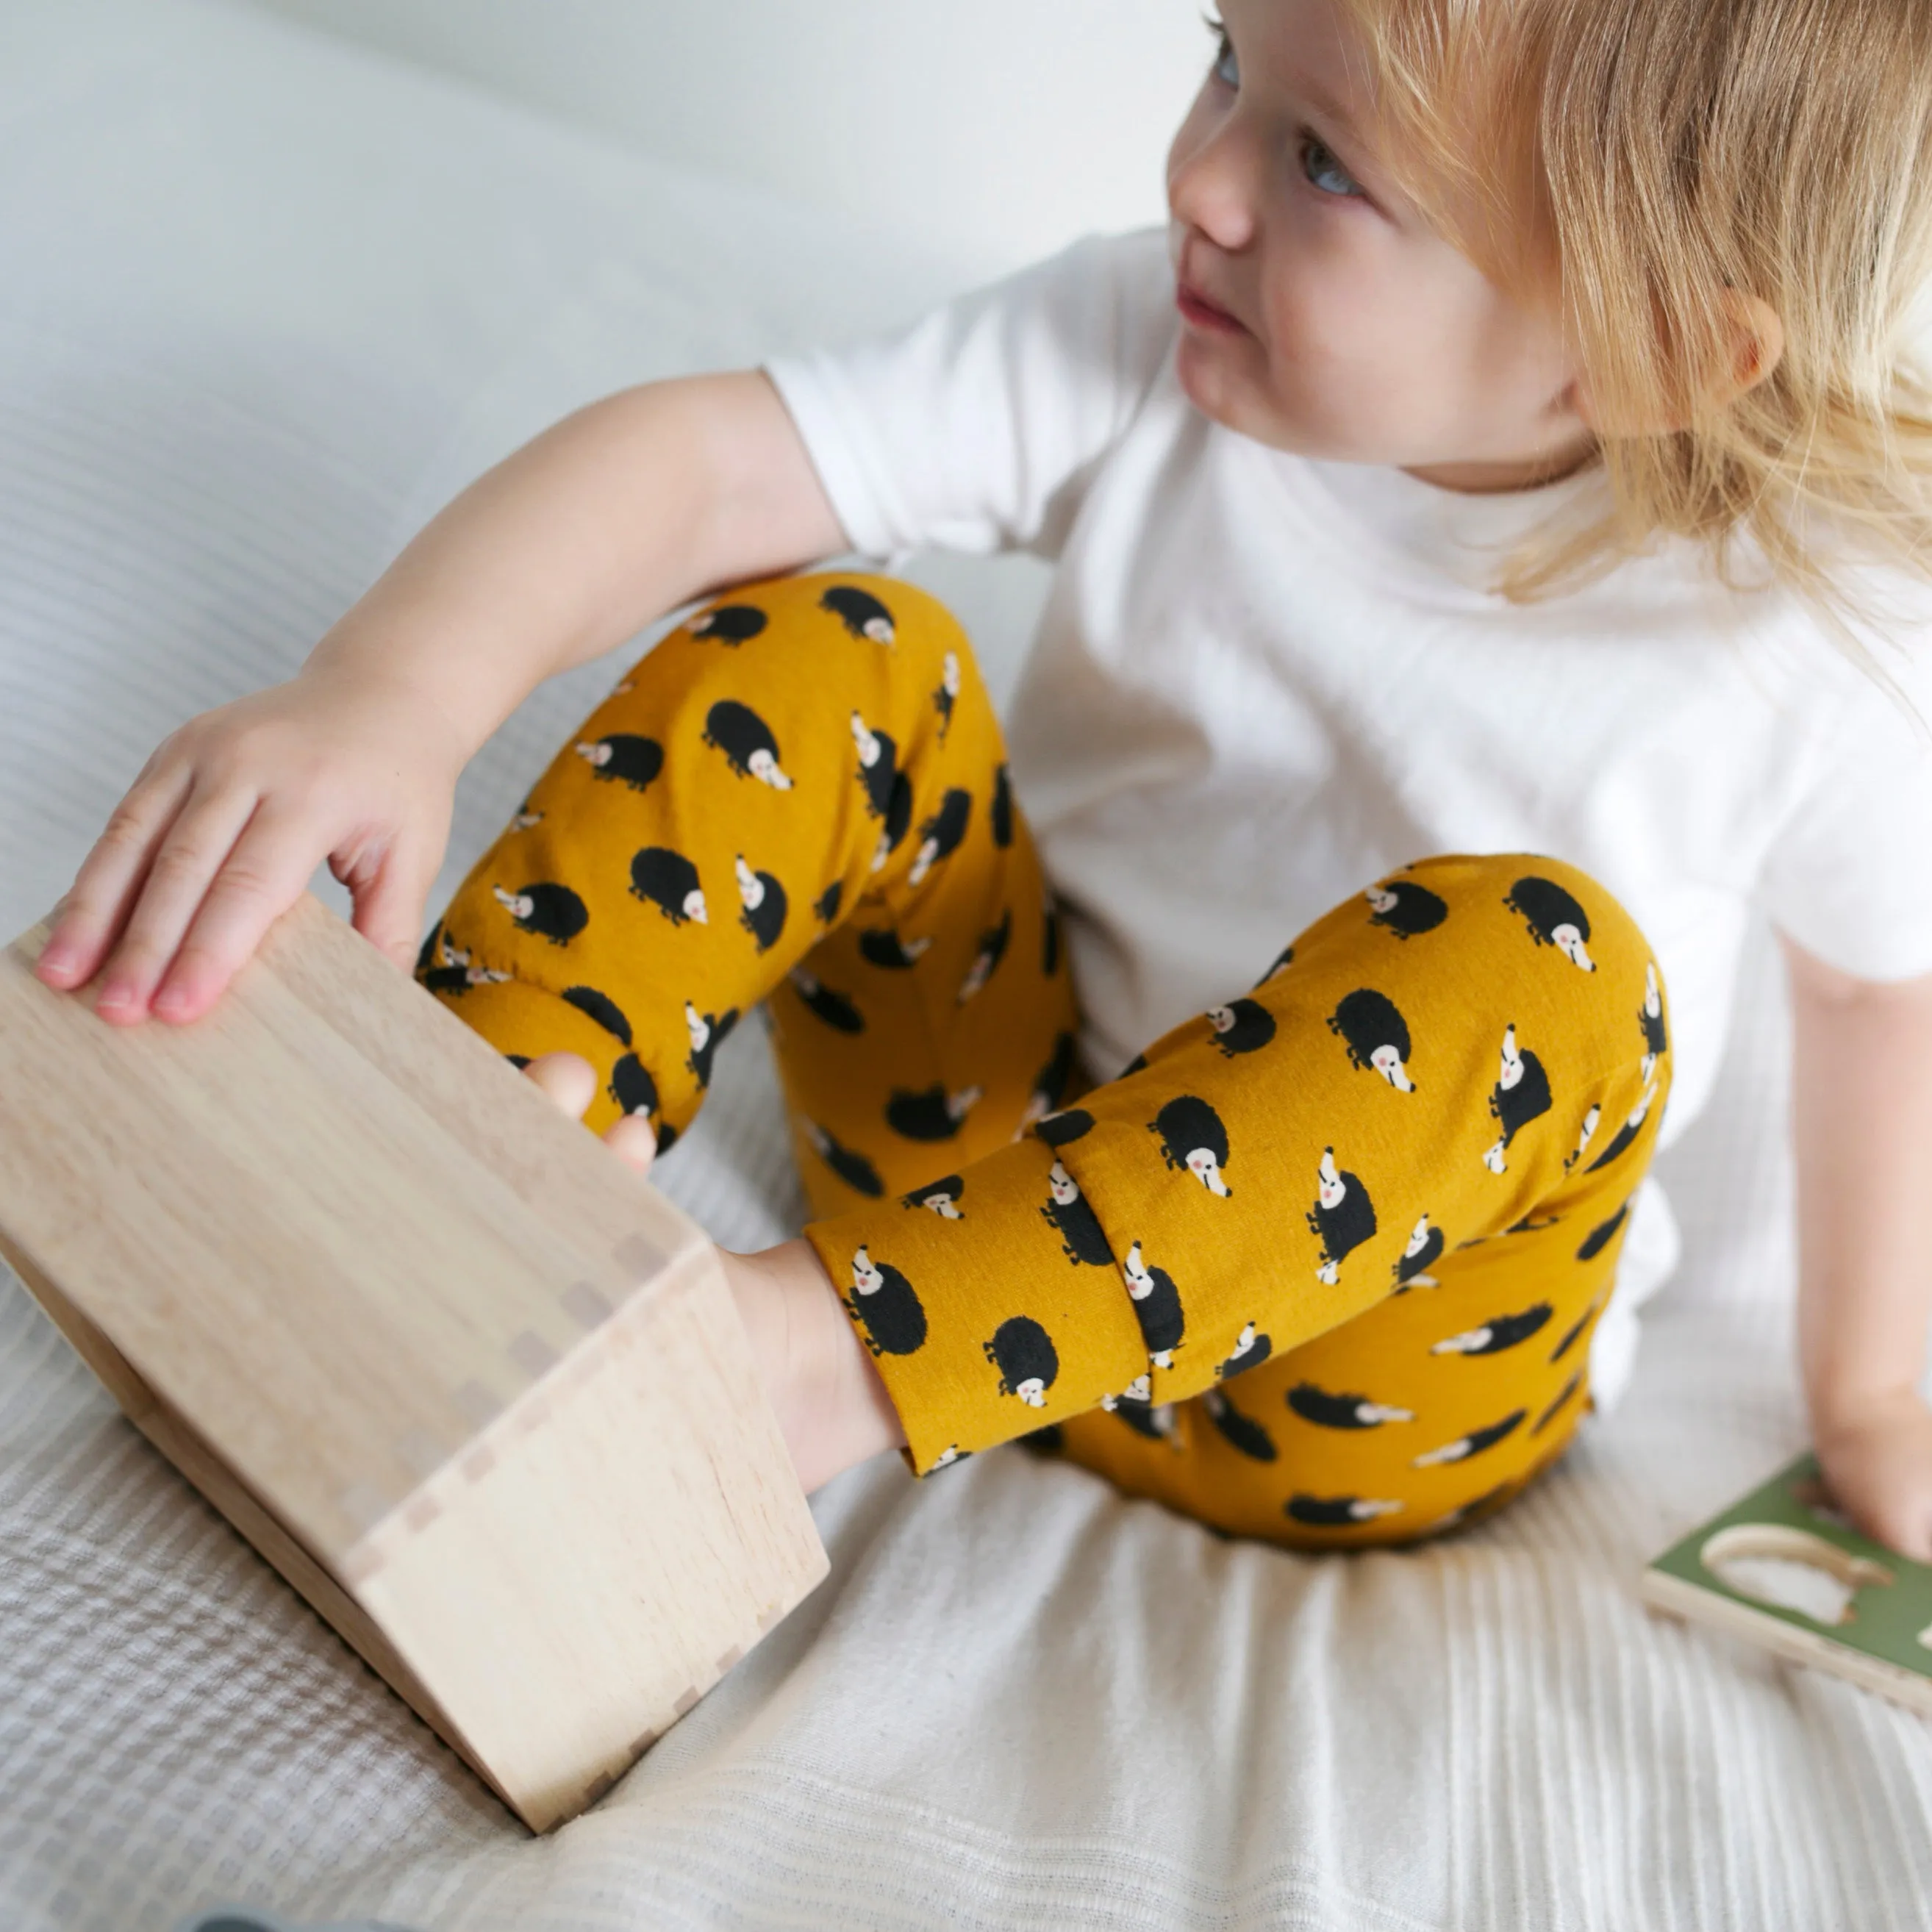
[[1196, 310]]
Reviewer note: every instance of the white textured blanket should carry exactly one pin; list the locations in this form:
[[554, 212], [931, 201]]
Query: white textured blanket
[[266, 304]]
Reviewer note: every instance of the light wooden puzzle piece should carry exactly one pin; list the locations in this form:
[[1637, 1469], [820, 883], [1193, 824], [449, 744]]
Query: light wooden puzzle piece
[[472, 1385]]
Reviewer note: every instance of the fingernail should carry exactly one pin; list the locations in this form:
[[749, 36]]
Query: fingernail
[[119, 994], [59, 957], [172, 1000]]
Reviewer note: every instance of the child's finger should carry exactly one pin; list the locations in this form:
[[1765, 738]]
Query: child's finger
[[632, 1138], [189, 857], [260, 878], [569, 1078], [97, 904]]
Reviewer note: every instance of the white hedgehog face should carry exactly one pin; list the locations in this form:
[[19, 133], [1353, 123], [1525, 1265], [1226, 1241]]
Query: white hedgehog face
[[454, 955], [807, 986], [866, 1280], [1061, 1184], [1139, 1389], [1221, 1018], [1387, 1060], [1371, 1414], [868, 745], [1418, 1240], [1033, 1391], [524, 820], [963, 1102], [944, 1206], [948, 674], [1653, 1001], [1467, 1343], [1642, 1108], [1140, 1283], [1332, 1191], [820, 1139], [518, 905], [1366, 1509], [599, 754], [1382, 900], [1512, 1072], [1206, 1169], [764, 768], [694, 908], [1590, 1120], [880, 630], [751, 887], [485, 975], [695, 1025], [1569, 942]]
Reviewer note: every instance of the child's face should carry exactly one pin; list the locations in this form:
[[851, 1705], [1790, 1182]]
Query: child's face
[[1320, 313]]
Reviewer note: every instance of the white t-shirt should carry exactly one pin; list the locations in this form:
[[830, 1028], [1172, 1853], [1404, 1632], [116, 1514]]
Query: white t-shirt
[[1262, 681]]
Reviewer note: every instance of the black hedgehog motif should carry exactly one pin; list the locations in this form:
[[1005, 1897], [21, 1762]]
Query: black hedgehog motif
[[1405, 909], [1338, 1512], [1650, 1018], [1071, 1215], [552, 911], [1050, 1083], [1625, 1134], [1193, 1140], [834, 1009], [1329, 1410], [1154, 1421], [1049, 938], [884, 949], [1600, 1238], [624, 758], [1520, 1095], [942, 1197], [947, 695], [1002, 810], [602, 1008], [940, 836], [732, 624], [1557, 1407], [1252, 1349], [1059, 1130], [1283, 960], [668, 880], [708, 1032], [1243, 1026], [1554, 918], [1423, 1251], [1499, 1332], [985, 961], [1342, 1218], [1371, 1027], [860, 612], [1574, 1333], [747, 742], [851, 1167], [1243, 1433], [1473, 1444], [826, 906], [1023, 1352], [886, 1307], [632, 1087], [930, 1115], [1156, 1306], [763, 906], [426, 957], [878, 766]]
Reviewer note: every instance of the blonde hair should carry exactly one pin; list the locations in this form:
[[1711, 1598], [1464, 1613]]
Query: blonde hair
[[1656, 154]]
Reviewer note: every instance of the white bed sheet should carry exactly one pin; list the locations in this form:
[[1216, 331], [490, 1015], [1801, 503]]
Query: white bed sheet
[[266, 303]]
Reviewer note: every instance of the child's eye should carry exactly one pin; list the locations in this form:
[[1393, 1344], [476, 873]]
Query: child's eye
[[1323, 169], [1227, 69]]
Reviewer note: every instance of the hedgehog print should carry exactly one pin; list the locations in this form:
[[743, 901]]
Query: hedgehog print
[[1243, 1433], [851, 1167], [668, 880], [885, 1307], [1328, 1411], [1156, 1306], [947, 695], [1342, 1218], [1404, 909], [940, 836], [1424, 1250], [1520, 1095], [623, 758], [1554, 918], [762, 902], [707, 1032], [1023, 1352], [1500, 1333], [1068, 1213], [551, 911], [1369, 1025], [1193, 1140], [1650, 1018], [942, 1197], [732, 624], [1243, 1026], [860, 612], [747, 742], [834, 1009]]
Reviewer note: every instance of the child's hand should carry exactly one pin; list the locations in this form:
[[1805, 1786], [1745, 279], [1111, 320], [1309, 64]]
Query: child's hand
[[571, 1081], [222, 830], [1878, 1464]]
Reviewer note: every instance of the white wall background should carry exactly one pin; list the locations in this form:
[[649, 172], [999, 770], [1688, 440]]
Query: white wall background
[[997, 129]]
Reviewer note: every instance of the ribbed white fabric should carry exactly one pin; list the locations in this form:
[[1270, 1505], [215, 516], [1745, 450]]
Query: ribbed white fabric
[[266, 304]]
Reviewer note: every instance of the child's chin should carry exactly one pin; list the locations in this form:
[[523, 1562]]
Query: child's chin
[[1211, 380]]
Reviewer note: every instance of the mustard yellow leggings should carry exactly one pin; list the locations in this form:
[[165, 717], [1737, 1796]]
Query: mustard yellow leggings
[[1320, 1268]]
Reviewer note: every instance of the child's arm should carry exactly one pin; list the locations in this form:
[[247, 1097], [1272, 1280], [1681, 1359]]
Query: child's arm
[[1862, 1127], [620, 512]]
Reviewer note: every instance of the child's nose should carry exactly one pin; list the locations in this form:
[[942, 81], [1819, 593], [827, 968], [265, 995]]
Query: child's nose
[[1211, 186]]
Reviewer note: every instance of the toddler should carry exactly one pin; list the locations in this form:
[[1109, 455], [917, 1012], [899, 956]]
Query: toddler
[[1492, 527]]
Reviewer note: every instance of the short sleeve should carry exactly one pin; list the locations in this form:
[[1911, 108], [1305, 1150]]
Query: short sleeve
[[1850, 876], [978, 428]]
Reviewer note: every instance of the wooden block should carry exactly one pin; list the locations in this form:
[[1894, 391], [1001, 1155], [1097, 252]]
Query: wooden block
[[1783, 1568], [471, 1383]]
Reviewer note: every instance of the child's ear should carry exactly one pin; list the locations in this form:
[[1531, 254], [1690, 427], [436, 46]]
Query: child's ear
[[1755, 346]]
